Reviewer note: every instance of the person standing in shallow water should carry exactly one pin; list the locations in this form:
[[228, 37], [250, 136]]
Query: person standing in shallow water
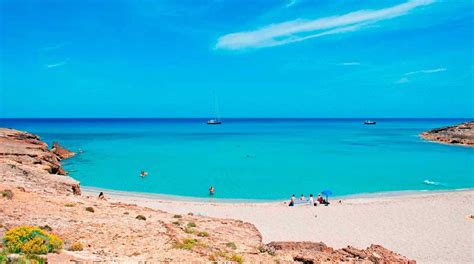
[[211, 190]]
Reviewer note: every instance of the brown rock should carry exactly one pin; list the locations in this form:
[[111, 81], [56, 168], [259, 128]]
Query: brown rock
[[312, 252], [462, 134], [61, 151], [26, 160]]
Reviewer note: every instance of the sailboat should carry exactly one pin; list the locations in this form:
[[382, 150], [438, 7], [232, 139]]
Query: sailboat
[[369, 122], [217, 120]]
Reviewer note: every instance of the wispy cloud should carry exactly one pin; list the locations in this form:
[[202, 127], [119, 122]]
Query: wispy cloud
[[290, 3], [303, 29], [353, 63], [54, 65], [427, 71]]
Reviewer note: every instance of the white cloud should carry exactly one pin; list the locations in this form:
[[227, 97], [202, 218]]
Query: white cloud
[[54, 65], [303, 29], [427, 71], [353, 63]]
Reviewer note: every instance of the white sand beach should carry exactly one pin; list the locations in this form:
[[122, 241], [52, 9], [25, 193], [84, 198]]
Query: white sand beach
[[430, 227]]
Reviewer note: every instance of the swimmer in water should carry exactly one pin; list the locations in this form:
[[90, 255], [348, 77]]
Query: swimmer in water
[[143, 174], [211, 190]]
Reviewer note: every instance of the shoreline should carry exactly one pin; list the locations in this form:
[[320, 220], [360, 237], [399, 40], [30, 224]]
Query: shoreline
[[89, 190]]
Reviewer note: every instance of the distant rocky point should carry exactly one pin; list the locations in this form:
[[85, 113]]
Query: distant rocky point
[[462, 134]]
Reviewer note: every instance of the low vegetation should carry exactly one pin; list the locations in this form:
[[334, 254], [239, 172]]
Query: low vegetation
[[7, 194], [202, 234], [90, 209], [234, 257], [187, 243], [76, 246], [21, 259], [177, 216], [188, 230], [191, 224], [69, 204], [268, 250], [237, 258], [231, 245], [30, 240]]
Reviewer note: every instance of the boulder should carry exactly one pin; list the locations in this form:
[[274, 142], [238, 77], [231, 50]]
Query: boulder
[[61, 151]]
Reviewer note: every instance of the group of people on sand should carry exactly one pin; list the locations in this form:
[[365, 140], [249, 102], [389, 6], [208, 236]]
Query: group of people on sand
[[310, 200]]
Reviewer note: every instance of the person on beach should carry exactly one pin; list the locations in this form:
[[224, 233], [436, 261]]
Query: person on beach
[[320, 199], [102, 196], [302, 198], [311, 200], [292, 200], [143, 174], [211, 190]]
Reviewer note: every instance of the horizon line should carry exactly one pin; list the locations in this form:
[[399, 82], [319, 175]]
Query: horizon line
[[118, 118]]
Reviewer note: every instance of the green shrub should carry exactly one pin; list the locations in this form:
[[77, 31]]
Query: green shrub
[[188, 230], [30, 240], [191, 224], [7, 194], [76, 246], [22, 259], [187, 243], [69, 204], [231, 245], [176, 223], [90, 209], [237, 258], [264, 249], [202, 234], [177, 216], [141, 217]]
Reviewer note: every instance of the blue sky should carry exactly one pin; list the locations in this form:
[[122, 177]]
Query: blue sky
[[285, 58]]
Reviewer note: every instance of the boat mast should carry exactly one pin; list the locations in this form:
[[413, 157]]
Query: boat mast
[[216, 107]]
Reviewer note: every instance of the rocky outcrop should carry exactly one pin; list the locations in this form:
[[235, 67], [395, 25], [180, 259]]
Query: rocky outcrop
[[25, 159], [61, 152], [462, 134], [312, 252]]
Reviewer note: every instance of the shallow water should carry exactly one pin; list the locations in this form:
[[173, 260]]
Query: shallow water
[[257, 158]]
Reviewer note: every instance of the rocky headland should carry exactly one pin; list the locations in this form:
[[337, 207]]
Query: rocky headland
[[39, 193], [462, 134]]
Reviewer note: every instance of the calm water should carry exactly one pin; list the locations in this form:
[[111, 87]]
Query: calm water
[[257, 158]]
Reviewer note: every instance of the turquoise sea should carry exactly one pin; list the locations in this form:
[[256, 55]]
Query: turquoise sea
[[257, 158]]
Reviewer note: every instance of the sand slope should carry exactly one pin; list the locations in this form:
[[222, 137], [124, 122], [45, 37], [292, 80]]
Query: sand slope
[[428, 227]]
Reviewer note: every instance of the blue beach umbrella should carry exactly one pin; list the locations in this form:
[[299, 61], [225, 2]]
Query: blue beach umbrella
[[326, 193]]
